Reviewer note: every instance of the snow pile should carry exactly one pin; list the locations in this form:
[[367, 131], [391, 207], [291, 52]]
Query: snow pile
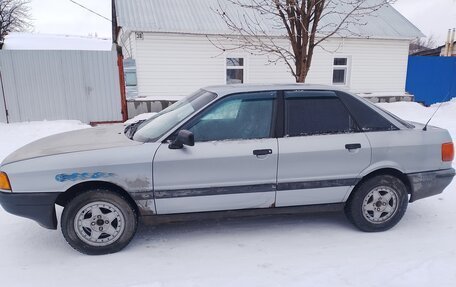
[[15, 135], [444, 118], [32, 41], [300, 250]]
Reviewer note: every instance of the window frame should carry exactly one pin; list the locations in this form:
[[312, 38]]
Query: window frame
[[374, 109], [243, 67], [345, 68], [277, 116], [279, 127], [356, 127]]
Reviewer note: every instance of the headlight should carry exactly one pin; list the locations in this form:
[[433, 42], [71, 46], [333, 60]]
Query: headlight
[[4, 181]]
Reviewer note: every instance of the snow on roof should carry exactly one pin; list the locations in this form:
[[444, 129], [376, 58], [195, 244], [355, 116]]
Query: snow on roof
[[200, 17], [32, 41]]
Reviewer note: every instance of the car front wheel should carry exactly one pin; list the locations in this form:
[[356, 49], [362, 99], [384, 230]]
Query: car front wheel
[[98, 222], [377, 204]]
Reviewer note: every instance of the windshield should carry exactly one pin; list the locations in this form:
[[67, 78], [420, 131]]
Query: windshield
[[159, 124]]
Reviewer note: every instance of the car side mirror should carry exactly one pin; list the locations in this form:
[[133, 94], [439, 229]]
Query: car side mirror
[[184, 137]]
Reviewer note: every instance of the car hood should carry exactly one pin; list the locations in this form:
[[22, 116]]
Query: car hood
[[73, 141]]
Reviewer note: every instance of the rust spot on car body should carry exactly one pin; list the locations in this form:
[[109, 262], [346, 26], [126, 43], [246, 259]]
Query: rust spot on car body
[[138, 184]]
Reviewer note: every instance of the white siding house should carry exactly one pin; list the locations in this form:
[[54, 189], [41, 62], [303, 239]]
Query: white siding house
[[170, 41]]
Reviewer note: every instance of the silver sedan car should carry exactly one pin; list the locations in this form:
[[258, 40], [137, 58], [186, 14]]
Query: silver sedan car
[[255, 149]]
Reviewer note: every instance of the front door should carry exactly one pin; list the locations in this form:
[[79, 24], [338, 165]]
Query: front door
[[233, 164], [323, 151]]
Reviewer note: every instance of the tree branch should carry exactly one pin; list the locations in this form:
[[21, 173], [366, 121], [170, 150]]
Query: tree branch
[[260, 26]]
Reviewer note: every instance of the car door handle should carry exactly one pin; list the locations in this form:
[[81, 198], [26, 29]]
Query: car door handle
[[258, 152], [353, 146]]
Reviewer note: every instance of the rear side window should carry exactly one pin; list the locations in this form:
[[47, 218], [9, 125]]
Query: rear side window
[[316, 113], [367, 119]]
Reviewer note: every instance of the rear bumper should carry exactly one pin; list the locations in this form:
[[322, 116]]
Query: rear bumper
[[425, 184], [39, 207]]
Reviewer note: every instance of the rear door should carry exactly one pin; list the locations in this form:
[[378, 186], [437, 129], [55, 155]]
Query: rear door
[[233, 164], [322, 152]]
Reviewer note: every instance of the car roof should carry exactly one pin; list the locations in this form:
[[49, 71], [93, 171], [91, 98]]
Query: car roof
[[223, 90]]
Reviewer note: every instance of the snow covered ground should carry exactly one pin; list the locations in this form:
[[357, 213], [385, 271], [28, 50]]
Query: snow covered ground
[[299, 250]]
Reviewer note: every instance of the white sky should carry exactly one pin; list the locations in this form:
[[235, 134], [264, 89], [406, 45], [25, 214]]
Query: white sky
[[432, 17], [65, 17]]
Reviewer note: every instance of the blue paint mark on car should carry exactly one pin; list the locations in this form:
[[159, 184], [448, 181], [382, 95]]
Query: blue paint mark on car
[[62, 177]]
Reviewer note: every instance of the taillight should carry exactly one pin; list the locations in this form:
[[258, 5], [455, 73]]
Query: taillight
[[447, 152]]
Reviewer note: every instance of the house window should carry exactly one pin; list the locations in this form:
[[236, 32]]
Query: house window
[[340, 71], [130, 79], [234, 70]]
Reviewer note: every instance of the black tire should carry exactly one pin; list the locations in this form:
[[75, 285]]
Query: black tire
[[110, 204], [358, 208]]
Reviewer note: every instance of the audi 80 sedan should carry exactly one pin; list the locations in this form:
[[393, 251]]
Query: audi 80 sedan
[[240, 147]]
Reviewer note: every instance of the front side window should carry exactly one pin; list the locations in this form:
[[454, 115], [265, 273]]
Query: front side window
[[340, 71], [234, 70], [316, 113], [241, 116]]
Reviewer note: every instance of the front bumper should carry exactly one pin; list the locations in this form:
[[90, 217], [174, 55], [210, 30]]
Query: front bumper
[[36, 206], [425, 184]]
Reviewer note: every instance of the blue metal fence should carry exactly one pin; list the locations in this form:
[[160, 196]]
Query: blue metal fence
[[431, 79]]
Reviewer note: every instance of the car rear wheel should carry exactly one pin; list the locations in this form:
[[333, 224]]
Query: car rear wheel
[[99, 222], [377, 204]]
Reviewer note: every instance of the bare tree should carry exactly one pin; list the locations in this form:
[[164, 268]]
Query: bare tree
[[14, 16], [422, 44], [263, 25]]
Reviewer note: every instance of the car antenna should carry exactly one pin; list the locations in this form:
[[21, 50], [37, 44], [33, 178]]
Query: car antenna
[[443, 100]]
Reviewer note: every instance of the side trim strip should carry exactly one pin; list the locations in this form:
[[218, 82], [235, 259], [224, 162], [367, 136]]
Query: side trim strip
[[159, 194], [191, 192], [317, 184]]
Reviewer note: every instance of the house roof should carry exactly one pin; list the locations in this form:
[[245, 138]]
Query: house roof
[[200, 17], [32, 41], [431, 52]]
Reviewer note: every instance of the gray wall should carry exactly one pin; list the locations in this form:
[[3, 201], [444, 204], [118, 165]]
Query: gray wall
[[57, 85]]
